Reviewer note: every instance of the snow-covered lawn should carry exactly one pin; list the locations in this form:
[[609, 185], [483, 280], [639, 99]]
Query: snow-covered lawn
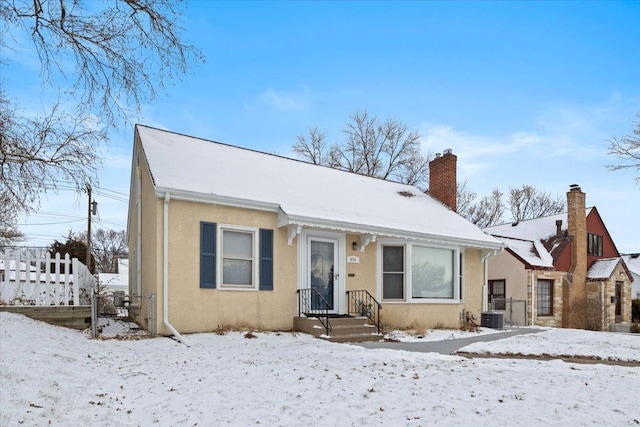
[[566, 342], [436, 335], [56, 376]]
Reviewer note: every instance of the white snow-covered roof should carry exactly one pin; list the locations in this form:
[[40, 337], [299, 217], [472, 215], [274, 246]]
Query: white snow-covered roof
[[530, 251], [532, 229], [303, 194], [602, 268], [116, 281], [633, 262]]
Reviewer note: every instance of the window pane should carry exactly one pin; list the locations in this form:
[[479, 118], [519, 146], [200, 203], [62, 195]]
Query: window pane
[[237, 244], [393, 258], [236, 272], [545, 298], [432, 272], [393, 286]]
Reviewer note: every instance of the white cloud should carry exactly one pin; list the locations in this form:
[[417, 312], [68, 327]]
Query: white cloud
[[286, 100]]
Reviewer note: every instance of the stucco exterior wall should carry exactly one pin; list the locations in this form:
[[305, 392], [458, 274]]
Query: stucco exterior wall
[[194, 309], [361, 275], [504, 266]]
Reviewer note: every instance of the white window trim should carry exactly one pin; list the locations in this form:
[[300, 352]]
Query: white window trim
[[255, 255], [408, 251]]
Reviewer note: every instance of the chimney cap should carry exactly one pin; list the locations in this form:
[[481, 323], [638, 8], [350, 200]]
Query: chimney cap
[[574, 187], [438, 155], [447, 151]]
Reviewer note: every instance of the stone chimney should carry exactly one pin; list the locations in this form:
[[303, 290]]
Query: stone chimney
[[577, 230], [443, 179]]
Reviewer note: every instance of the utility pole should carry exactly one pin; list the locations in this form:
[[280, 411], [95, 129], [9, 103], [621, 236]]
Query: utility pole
[[92, 210], [89, 229]]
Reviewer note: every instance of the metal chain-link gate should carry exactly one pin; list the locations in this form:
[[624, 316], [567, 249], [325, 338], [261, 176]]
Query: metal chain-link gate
[[116, 315]]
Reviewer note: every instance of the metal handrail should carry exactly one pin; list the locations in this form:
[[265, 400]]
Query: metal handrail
[[307, 298], [362, 303]]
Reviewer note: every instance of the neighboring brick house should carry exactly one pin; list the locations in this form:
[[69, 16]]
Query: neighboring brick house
[[566, 267]]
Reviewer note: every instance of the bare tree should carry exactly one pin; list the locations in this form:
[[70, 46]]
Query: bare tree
[[527, 202], [104, 60], [386, 150], [106, 247], [488, 211], [35, 154], [627, 150], [524, 202], [313, 147], [465, 198]]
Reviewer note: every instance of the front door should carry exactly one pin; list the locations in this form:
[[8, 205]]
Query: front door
[[618, 302], [323, 271]]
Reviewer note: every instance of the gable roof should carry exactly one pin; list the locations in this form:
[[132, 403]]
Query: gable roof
[[602, 269], [531, 252], [633, 262], [303, 194]]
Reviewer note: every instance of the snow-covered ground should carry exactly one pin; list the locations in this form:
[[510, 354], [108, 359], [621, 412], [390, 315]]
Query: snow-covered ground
[[56, 376], [436, 335], [566, 342]]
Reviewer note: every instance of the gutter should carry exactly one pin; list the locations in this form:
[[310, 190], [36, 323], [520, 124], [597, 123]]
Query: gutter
[[165, 272], [139, 233]]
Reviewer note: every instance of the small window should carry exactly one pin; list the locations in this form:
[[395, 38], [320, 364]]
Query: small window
[[393, 272], [594, 244], [497, 294], [238, 258], [545, 297]]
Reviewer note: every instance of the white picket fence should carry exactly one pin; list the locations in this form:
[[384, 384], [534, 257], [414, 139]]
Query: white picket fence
[[37, 278]]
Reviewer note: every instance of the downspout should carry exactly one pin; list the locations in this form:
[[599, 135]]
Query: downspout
[[602, 307], [139, 236], [533, 297], [165, 272], [485, 299]]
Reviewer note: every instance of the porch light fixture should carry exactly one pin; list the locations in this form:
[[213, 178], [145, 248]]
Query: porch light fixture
[[354, 246]]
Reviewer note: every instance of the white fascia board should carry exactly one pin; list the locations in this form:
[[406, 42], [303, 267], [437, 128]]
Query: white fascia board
[[215, 199], [285, 220]]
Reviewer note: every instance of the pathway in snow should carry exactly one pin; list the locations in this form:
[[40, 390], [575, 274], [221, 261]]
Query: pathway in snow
[[447, 346], [459, 346]]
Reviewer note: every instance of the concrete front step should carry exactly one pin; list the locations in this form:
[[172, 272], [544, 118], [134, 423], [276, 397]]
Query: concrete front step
[[343, 329]]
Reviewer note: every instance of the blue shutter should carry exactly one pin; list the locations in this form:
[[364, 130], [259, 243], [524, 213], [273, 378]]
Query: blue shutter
[[266, 259], [208, 231]]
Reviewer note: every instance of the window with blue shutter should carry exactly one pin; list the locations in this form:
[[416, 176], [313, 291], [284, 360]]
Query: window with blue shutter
[[208, 241], [266, 259]]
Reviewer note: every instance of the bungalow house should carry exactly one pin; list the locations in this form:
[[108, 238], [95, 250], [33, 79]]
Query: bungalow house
[[566, 267], [231, 237]]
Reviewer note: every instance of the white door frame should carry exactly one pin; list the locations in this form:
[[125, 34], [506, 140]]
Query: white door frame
[[339, 274]]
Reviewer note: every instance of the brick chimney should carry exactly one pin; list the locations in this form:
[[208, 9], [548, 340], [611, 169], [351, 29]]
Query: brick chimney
[[577, 230], [443, 179]]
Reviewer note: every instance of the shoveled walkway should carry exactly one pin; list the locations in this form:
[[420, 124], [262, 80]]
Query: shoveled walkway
[[446, 346]]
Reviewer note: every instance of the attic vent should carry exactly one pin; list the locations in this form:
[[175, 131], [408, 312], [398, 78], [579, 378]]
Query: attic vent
[[406, 193]]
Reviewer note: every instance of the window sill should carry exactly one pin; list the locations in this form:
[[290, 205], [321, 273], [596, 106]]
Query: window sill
[[424, 301], [237, 288]]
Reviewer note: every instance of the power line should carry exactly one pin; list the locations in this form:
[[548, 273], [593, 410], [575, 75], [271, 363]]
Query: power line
[[50, 223]]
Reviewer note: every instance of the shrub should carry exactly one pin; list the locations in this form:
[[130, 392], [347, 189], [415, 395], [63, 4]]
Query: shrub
[[635, 328]]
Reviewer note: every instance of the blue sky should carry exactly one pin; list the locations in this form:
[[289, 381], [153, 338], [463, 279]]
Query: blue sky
[[522, 92]]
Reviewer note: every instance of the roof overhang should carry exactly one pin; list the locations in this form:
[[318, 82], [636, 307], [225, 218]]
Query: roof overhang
[[286, 220]]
